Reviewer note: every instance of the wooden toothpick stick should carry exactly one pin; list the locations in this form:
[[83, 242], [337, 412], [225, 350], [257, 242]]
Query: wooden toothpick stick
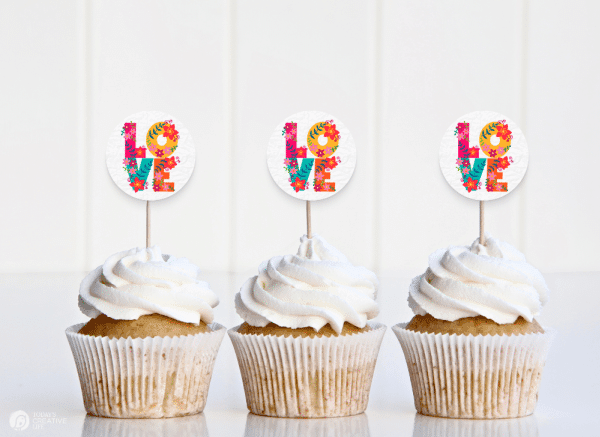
[[481, 230], [308, 227], [147, 223]]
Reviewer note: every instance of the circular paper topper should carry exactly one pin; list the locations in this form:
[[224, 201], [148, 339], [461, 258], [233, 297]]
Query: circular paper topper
[[484, 155], [151, 155], [311, 155]]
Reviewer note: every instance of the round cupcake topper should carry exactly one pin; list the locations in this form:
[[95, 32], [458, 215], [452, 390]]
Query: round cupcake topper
[[484, 155], [150, 156], [311, 155]]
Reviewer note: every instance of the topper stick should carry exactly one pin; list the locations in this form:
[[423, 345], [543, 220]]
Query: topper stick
[[147, 223], [308, 227], [481, 216]]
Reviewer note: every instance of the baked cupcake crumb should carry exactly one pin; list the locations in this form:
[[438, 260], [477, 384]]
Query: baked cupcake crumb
[[472, 325], [151, 325], [280, 331]]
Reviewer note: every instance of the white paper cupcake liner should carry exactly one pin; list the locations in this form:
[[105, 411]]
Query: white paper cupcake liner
[[188, 426], [261, 426], [439, 426], [307, 377], [474, 377], [152, 377]]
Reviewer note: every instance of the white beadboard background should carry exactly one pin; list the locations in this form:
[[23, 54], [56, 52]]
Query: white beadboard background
[[397, 73]]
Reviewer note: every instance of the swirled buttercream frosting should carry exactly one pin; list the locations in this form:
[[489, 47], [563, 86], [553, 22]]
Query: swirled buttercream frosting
[[492, 280], [315, 287], [137, 282]]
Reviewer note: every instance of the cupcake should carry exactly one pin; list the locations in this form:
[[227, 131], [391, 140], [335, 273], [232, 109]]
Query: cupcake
[[474, 349], [150, 346], [306, 348]]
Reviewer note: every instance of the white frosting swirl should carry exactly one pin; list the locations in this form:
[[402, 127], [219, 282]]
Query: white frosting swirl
[[137, 282], [315, 287], [491, 280]]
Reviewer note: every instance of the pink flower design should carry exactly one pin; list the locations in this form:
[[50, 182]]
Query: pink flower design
[[328, 151], [320, 153], [294, 170], [465, 170], [492, 153], [287, 162], [159, 153]]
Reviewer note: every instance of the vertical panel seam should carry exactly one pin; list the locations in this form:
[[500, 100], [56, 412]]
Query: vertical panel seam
[[229, 111], [83, 114], [524, 70], [374, 90]]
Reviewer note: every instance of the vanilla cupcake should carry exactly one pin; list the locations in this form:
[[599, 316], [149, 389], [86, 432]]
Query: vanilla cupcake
[[474, 348], [150, 347], [306, 348]]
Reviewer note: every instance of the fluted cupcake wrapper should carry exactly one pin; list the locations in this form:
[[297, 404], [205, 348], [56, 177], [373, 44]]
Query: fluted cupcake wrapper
[[260, 426], [474, 377], [307, 377], [439, 426], [152, 377]]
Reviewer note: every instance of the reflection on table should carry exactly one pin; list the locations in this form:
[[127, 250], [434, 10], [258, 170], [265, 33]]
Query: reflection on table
[[426, 426], [262, 426], [188, 426]]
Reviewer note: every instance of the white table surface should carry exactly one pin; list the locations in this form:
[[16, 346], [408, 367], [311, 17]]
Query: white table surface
[[38, 374]]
